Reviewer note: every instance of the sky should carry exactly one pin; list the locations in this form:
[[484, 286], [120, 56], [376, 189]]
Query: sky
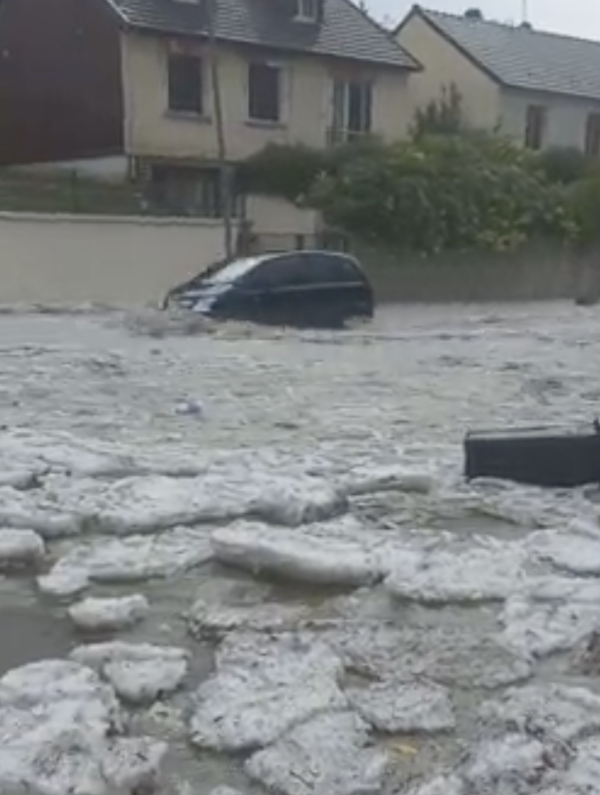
[[573, 17]]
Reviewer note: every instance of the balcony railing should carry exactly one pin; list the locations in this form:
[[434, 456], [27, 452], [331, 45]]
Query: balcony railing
[[336, 136]]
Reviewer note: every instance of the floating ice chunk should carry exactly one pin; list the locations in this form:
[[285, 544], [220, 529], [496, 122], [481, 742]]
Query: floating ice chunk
[[442, 785], [502, 765], [263, 687], [63, 452], [474, 575], [369, 480], [59, 730], [225, 791], [447, 655], [403, 707], [584, 773], [23, 510], [20, 548], [328, 755], [299, 554], [139, 673], [144, 504], [94, 614], [144, 681], [18, 477], [553, 711], [69, 582], [549, 615], [530, 506], [573, 552], [205, 620], [127, 559]]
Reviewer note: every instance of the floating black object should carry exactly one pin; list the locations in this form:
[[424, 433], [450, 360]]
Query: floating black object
[[553, 457]]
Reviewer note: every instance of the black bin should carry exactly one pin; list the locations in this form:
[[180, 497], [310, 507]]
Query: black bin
[[553, 457]]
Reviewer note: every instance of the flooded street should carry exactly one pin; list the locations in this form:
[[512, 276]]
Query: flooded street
[[250, 559]]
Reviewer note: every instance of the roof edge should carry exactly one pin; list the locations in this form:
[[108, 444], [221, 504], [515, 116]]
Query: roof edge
[[415, 66], [419, 11], [162, 32]]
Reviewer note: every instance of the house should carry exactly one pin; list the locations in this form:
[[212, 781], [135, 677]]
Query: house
[[540, 88], [125, 87]]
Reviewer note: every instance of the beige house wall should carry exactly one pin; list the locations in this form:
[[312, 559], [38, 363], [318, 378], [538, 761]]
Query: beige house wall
[[151, 130], [116, 261], [566, 116], [445, 64]]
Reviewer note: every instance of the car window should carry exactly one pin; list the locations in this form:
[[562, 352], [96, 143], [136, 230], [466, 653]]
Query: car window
[[235, 270], [284, 271], [331, 268]]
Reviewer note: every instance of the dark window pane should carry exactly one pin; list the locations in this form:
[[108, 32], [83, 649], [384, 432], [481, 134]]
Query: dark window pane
[[264, 84], [535, 126], [185, 83], [335, 269], [283, 271], [359, 107], [592, 135]]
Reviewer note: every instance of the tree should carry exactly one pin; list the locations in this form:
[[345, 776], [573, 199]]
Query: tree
[[442, 116], [444, 192]]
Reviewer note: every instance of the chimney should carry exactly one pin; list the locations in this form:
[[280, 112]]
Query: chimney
[[473, 13]]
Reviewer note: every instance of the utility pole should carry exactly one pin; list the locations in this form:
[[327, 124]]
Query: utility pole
[[225, 185], [524, 11]]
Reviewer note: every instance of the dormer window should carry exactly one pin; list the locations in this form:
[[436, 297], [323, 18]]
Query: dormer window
[[307, 10]]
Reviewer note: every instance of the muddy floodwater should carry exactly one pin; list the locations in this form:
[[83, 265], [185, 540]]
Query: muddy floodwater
[[243, 560]]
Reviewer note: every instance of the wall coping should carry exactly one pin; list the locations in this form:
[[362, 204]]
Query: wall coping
[[135, 220]]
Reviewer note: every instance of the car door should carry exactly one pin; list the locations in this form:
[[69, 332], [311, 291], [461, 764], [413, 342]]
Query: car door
[[341, 291], [274, 287]]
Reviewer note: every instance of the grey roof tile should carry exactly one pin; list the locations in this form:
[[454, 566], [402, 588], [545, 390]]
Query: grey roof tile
[[344, 31], [525, 58]]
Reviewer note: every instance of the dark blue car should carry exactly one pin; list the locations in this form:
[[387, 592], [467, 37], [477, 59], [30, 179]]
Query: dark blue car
[[296, 288]]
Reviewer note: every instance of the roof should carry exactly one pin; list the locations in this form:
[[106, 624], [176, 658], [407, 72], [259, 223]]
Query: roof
[[343, 31], [522, 57]]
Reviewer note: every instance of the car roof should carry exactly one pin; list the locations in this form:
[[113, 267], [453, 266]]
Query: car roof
[[308, 252]]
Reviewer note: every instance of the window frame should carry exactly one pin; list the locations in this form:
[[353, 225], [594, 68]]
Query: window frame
[[301, 14], [196, 108], [276, 68], [536, 126], [343, 128], [592, 134]]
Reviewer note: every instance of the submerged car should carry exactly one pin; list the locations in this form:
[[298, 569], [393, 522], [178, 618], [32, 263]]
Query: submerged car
[[296, 288]]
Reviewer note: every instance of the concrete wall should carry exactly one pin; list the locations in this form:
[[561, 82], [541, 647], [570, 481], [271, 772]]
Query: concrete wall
[[75, 259], [271, 214], [445, 64], [46, 258], [565, 121], [542, 274], [151, 130]]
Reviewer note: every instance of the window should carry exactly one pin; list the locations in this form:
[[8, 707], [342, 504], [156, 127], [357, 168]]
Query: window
[[352, 103], [333, 268], [185, 84], [535, 126], [286, 270], [264, 92], [592, 135], [307, 10]]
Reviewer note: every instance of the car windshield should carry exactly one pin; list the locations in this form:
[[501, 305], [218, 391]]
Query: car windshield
[[234, 270]]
